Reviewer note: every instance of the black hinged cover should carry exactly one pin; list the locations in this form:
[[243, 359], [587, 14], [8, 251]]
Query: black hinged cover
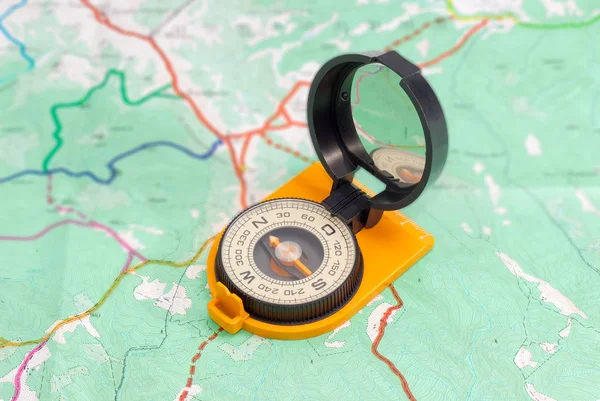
[[334, 134]]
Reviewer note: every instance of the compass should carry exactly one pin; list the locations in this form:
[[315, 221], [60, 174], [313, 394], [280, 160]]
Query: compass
[[289, 260], [317, 250]]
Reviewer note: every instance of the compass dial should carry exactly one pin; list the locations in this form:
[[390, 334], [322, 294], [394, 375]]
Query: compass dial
[[289, 260]]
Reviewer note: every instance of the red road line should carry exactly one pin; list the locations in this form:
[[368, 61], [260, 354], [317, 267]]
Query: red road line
[[267, 126], [49, 199], [299, 124], [456, 47], [103, 19], [237, 165], [245, 149], [416, 32], [190, 379], [286, 116], [285, 148], [380, 333], [280, 110], [281, 107]]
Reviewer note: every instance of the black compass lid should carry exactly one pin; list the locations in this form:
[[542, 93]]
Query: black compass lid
[[376, 111]]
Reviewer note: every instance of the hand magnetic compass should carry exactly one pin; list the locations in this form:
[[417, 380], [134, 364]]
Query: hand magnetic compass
[[319, 248], [289, 260]]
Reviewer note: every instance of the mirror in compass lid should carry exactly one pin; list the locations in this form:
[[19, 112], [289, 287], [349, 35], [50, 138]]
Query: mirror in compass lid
[[387, 123]]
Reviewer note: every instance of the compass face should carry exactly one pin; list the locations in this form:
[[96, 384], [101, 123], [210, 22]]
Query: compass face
[[284, 248], [289, 260]]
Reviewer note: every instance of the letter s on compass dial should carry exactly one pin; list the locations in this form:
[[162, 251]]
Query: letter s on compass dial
[[290, 261]]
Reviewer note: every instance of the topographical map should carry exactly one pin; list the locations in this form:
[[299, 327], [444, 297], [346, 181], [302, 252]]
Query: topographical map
[[133, 131]]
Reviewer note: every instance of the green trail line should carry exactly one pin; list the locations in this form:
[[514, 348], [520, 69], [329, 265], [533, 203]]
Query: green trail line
[[121, 76], [532, 25], [6, 343]]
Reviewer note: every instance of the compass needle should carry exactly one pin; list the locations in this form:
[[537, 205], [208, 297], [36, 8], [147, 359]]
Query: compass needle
[[289, 253], [273, 241], [303, 269], [278, 269]]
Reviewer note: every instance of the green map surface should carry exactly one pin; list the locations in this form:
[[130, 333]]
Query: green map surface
[[132, 132]]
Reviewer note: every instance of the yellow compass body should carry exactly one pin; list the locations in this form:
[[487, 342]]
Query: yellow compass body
[[389, 249]]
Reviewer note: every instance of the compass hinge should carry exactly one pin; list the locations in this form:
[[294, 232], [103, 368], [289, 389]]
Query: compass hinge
[[352, 205]]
